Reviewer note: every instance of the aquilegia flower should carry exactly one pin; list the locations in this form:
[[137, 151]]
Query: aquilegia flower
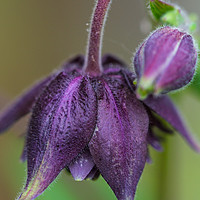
[[86, 118]]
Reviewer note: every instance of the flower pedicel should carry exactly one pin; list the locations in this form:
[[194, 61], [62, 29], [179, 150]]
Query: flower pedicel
[[86, 118]]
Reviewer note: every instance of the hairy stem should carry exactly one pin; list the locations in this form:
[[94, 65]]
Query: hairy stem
[[93, 53]]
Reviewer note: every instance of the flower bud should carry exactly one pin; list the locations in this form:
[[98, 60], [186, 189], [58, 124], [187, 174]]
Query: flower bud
[[171, 14], [164, 62]]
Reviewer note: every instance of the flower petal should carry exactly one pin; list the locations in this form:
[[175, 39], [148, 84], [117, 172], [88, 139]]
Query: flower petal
[[111, 60], [154, 141], [149, 160], [94, 174], [82, 165], [138, 60], [164, 107], [22, 105], [119, 144], [25, 102], [23, 156], [114, 66], [75, 63], [63, 121], [159, 122]]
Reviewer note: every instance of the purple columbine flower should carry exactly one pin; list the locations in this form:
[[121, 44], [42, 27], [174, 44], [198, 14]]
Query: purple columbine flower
[[87, 119], [164, 62]]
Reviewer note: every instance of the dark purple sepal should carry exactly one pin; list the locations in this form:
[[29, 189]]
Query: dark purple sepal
[[149, 160], [94, 174], [114, 66], [67, 170], [82, 165], [182, 67], [159, 122], [22, 105], [62, 124], [119, 144], [163, 127], [109, 60], [75, 63], [25, 102], [23, 156], [164, 107], [154, 141], [139, 61]]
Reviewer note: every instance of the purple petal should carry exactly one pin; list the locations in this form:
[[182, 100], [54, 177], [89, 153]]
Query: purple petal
[[81, 166], [149, 160], [158, 122], [67, 170], [154, 59], [119, 144], [94, 174], [23, 156], [139, 60], [63, 121], [109, 59], [75, 63], [154, 141], [164, 128], [182, 67], [112, 65], [164, 107], [22, 105]]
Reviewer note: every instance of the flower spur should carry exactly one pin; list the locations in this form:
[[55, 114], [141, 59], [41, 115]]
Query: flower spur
[[86, 118]]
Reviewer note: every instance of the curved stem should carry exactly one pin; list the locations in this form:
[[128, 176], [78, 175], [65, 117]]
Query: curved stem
[[93, 53]]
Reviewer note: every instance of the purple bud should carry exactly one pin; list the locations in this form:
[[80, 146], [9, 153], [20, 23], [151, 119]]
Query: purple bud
[[165, 62]]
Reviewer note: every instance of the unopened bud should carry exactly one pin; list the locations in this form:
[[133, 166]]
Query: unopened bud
[[164, 62]]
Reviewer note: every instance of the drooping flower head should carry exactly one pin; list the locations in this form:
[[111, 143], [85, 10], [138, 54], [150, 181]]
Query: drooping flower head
[[87, 119]]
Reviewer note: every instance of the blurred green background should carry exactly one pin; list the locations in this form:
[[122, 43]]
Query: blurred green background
[[36, 36]]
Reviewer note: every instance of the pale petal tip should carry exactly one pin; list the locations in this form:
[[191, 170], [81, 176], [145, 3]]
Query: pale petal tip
[[78, 179], [193, 142]]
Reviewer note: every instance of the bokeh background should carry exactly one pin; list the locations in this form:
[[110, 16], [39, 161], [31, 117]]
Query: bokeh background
[[36, 36]]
